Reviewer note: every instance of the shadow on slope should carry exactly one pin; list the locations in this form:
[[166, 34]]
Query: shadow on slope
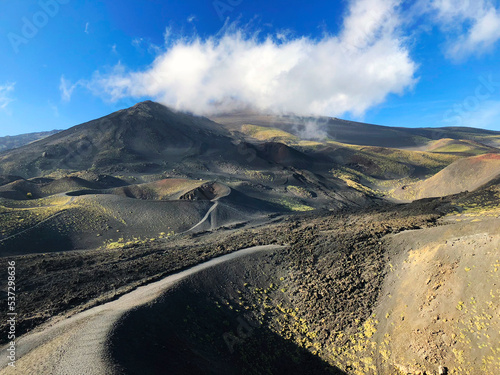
[[92, 218], [91, 221], [237, 208], [21, 189], [190, 330], [163, 190]]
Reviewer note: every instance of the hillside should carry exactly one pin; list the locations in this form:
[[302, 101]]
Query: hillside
[[15, 141], [463, 175], [96, 174], [99, 173], [145, 136], [351, 132], [360, 274], [460, 147]]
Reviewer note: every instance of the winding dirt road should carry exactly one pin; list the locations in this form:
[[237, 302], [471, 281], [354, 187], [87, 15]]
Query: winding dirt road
[[211, 209], [77, 345]]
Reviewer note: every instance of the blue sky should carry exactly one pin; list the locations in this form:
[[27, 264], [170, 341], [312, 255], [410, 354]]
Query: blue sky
[[419, 63]]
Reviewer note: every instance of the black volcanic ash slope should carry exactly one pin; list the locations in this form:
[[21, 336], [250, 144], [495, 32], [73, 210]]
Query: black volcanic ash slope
[[143, 136]]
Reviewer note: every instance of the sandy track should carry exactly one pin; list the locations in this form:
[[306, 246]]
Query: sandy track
[[204, 219], [211, 209], [77, 345]]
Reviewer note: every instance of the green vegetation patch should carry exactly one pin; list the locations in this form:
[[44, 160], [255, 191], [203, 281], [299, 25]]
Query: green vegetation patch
[[299, 191], [259, 175], [292, 205], [483, 203], [465, 147], [266, 134]]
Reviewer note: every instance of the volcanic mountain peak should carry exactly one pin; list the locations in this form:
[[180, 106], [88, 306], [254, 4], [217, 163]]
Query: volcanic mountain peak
[[146, 133], [149, 110], [151, 116], [149, 107]]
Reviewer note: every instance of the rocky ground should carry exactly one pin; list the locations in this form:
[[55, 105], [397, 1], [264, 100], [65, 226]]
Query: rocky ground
[[331, 273]]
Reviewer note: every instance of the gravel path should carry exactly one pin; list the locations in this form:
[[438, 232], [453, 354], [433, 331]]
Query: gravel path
[[77, 345], [209, 212]]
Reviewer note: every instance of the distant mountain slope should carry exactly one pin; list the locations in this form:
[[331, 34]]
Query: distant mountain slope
[[461, 147], [146, 136], [356, 133], [10, 142], [270, 155]]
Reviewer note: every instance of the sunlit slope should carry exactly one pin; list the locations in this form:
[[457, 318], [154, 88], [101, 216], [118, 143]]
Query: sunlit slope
[[463, 175], [460, 147], [356, 133], [441, 301]]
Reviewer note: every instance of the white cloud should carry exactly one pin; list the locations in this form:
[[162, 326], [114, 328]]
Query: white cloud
[[473, 26], [191, 18], [5, 91], [450, 10], [368, 21], [349, 72], [143, 45], [482, 36], [66, 88], [86, 31], [136, 42]]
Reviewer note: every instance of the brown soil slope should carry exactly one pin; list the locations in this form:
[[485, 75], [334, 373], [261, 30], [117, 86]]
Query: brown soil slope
[[463, 175], [166, 189], [440, 303]]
